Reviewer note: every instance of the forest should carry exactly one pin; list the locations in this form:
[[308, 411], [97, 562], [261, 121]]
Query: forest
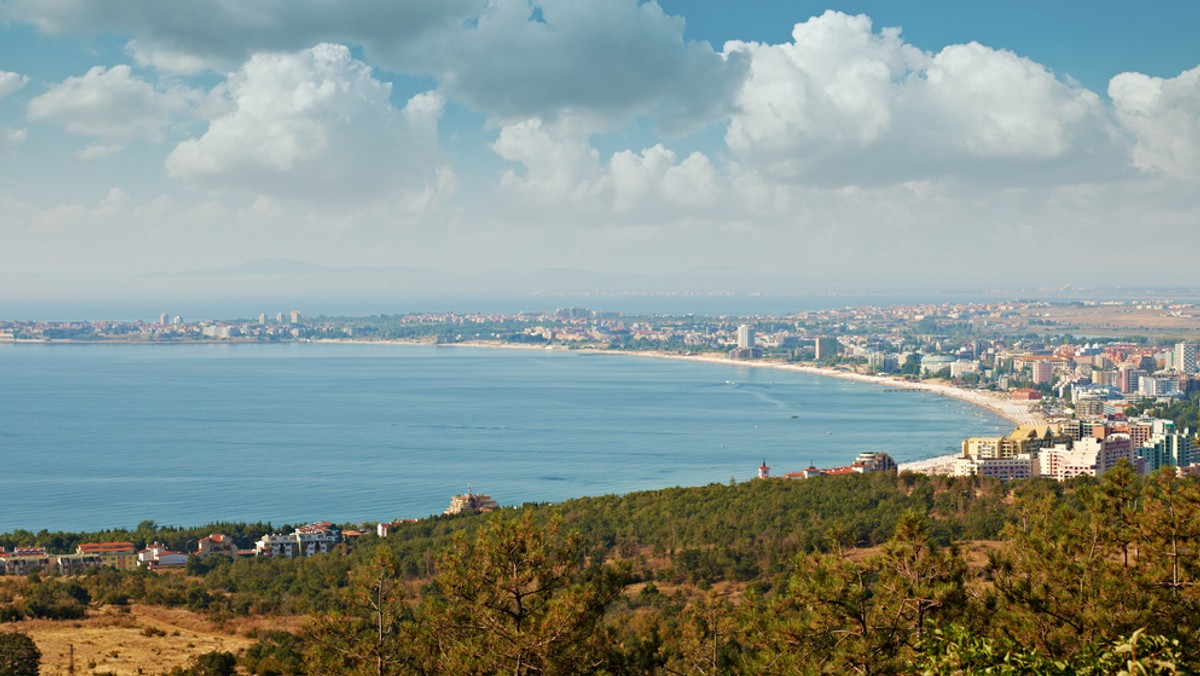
[[872, 574]]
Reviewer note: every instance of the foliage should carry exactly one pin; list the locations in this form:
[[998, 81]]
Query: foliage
[[215, 663], [19, 655], [366, 633], [277, 653], [840, 615], [520, 599]]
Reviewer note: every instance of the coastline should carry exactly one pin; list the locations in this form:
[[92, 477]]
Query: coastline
[[1018, 413]]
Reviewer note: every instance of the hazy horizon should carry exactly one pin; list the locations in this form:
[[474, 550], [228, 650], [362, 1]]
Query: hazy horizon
[[271, 286]]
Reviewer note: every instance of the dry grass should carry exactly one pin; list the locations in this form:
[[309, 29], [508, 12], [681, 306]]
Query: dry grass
[[1114, 320], [147, 639]]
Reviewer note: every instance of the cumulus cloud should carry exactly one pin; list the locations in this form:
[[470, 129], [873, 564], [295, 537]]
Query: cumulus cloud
[[11, 82], [111, 105], [1163, 116], [564, 178], [845, 104], [313, 125], [598, 60]]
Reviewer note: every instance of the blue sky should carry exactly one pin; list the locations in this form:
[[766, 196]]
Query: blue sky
[[876, 143]]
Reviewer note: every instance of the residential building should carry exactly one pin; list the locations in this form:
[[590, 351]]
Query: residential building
[[119, 555], [1158, 386], [1185, 357], [25, 560], [1020, 467], [824, 348], [217, 543], [158, 554], [315, 538], [1089, 456], [745, 337], [1168, 447], [1042, 372]]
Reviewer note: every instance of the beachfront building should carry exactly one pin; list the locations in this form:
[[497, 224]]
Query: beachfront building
[[933, 364], [1024, 440], [745, 337], [1022, 466], [824, 348], [876, 461], [864, 463], [470, 502]]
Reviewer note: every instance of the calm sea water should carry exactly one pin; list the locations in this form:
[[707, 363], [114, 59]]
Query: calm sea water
[[100, 436]]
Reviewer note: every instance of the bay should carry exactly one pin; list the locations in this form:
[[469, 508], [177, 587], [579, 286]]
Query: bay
[[102, 436]]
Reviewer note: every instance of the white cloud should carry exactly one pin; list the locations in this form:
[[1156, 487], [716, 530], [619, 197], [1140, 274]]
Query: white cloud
[[564, 179], [1163, 115], [11, 82], [312, 125], [110, 104], [842, 104], [599, 62]]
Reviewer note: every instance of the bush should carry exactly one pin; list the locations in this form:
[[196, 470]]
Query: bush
[[19, 655]]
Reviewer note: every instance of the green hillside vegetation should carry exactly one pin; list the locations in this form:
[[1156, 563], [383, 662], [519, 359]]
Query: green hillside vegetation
[[858, 574]]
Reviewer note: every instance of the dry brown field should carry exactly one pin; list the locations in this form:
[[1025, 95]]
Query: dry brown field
[[144, 640], [1113, 320]]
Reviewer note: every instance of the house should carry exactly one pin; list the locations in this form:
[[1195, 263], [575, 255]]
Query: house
[[217, 543], [158, 554]]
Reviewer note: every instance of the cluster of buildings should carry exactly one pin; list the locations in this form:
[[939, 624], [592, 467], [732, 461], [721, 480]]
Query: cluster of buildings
[[863, 464], [1087, 447], [315, 538], [121, 555]]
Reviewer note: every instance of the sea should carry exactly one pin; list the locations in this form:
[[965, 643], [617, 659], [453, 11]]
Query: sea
[[106, 436]]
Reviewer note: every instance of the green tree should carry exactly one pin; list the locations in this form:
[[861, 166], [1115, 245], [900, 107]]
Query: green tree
[[215, 663], [704, 640], [19, 655], [844, 614], [522, 600], [366, 634]]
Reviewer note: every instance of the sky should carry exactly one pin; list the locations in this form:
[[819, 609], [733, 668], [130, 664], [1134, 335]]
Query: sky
[[880, 144]]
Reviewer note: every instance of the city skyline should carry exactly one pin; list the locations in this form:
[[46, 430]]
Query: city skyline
[[833, 145]]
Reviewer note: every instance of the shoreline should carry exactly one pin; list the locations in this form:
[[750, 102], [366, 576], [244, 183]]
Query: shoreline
[[1017, 413]]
